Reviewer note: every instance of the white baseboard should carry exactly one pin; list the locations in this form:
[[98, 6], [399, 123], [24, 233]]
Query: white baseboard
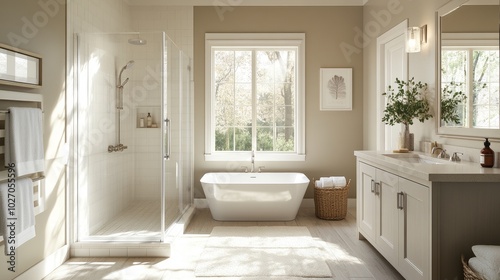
[[47, 265]]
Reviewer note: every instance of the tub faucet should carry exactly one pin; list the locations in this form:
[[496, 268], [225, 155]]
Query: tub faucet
[[253, 161]]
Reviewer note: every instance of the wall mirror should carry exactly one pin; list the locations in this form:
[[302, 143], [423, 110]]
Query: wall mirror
[[19, 67], [468, 68]]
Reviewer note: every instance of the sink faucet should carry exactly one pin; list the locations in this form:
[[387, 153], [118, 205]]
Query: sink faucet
[[442, 154], [455, 157]]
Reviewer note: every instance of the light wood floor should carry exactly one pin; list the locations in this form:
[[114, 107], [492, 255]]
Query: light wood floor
[[350, 258]]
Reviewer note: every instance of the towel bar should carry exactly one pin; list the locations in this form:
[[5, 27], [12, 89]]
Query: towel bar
[[34, 179]]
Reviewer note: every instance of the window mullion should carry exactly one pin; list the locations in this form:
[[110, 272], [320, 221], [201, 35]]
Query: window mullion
[[254, 100], [470, 87]]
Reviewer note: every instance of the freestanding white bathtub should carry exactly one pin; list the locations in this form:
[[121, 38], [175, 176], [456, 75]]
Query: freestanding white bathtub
[[254, 196]]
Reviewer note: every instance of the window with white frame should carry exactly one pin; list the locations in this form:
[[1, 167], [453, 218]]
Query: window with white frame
[[254, 96]]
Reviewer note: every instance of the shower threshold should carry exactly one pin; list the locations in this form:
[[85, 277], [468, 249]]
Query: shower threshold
[[138, 246]]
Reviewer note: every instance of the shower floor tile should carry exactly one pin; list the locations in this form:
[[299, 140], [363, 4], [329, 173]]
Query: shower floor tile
[[140, 219]]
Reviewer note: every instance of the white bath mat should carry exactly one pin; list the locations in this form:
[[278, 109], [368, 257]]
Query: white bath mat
[[262, 251]]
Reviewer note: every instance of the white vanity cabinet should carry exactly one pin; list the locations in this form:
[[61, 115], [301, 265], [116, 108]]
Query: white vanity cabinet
[[422, 214], [394, 215]]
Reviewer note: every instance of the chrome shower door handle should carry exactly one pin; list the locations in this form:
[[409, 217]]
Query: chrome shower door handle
[[168, 138]]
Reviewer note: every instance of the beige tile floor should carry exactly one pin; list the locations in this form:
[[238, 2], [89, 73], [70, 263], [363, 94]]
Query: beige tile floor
[[350, 258]]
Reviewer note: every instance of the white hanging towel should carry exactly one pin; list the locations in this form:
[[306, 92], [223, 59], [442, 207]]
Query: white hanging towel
[[24, 140], [17, 220]]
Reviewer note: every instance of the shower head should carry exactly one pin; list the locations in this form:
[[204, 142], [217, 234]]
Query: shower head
[[128, 65], [137, 41]]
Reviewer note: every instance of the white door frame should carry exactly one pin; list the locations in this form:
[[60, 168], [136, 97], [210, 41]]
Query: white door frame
[[382, 40]]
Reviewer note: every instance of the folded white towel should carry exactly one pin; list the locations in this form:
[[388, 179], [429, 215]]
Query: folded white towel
[[326, 182], [24, 140], [331, 182], [339, 181], [21, 213], [489, 254], [482, 269]]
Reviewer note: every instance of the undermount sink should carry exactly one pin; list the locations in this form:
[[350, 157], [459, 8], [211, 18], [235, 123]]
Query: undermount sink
[[416, 158]]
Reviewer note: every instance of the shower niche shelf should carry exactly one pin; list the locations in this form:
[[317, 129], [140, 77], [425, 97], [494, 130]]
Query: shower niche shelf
[[142, 113]]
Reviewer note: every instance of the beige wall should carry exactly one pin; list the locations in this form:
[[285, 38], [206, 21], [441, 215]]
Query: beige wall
[[46, 37], [331, 137], [471, 19]]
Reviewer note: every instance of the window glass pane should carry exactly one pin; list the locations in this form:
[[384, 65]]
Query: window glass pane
[[284, 139], [284, 116], [224, 105], [265, 139], [265, 94], [265, 67], [243, 66], [243, 116], [243, 136], [224, 139], [454, 79], [494, 116], [454, 66], [285, 94], [481, 94], [223, 67], [243, 94], [265, 115]]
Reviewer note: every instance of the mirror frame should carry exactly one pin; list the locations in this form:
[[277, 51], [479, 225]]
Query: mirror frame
[[457, 132], [37, 70]]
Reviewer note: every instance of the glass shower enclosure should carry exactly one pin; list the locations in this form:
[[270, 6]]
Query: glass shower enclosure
[[134, 129]]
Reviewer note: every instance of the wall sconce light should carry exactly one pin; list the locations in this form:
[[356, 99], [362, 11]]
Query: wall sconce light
[[415, 36]]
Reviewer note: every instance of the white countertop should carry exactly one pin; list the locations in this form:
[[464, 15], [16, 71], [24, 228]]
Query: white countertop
[[463, 171]]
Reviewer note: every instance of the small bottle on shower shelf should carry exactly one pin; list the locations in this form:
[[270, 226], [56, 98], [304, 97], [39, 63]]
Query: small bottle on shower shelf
[[149, 120], [487, 158]]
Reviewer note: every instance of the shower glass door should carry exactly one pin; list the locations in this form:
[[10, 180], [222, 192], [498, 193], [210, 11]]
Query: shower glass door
[[121, 81], [177, 114]]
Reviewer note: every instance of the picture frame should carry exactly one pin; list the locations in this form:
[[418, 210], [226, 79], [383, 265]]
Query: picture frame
[[335, 89], [20, 67]]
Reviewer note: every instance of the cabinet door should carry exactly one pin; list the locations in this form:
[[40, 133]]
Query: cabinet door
[[387, 220], [414, 235], [366, 201]]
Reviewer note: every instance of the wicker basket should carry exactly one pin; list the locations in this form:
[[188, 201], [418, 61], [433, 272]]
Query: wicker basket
[[469, 274], [331, 203]]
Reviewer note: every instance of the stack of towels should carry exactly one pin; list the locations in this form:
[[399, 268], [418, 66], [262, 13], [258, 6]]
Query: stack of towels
[[486, 263], [331, 182]]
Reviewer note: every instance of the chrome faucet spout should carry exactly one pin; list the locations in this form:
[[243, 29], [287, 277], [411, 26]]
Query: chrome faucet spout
[[253, 161], [442, 154]]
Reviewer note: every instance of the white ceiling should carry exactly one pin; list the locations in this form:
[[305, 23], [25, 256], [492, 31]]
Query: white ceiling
[[235, 3]]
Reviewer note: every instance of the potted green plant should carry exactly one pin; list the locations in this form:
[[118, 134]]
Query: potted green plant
[[450, 100], [406, 103]]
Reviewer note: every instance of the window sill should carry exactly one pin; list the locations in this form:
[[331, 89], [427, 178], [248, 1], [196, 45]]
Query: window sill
[[260, 157]]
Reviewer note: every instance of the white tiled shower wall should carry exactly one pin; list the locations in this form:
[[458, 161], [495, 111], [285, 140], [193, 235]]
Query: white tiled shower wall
[[109, 181]]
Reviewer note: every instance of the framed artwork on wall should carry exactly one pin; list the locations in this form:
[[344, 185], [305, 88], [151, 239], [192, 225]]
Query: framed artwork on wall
[[335, 89]]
